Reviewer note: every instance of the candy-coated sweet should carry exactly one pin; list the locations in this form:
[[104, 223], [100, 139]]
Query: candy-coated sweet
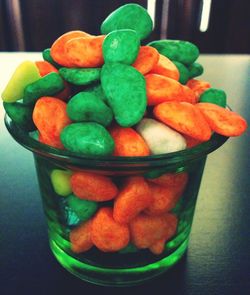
[[125, 90], [146, 59], [60, 180], [26, 73], [129, 16], [50, 117], [164, 199], [184, 72], [214, 95], [20, 114], [198, 86], [133, 198], [195, 69], [161, 89], [48, 85], [80, 237], [47, 57], [160, 138], [107, 234], [84, 209], [146, 230], [58, 48], [221, 120], [87, 138], [178, 50], [128, 143], [45, 67], [80, 76], [93, 187], [121, 46], [90, 46], [86, 106], [185, 118], [174, 181], [166, 67]]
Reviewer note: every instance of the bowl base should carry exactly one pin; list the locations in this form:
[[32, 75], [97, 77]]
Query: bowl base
[[121, 277]]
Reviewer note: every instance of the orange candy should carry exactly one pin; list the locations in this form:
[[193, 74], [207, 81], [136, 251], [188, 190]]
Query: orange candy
[[166, 67], [50, 117], [58, 52], [80, 237], [107, 234], [128, 142], [45, 68], [177, 181], [134, 197], [161, 89], [221, 120], [198, 86], [146, 230], [147, 58], [164, 199], [185, 118], [85, 51], [93, 187]]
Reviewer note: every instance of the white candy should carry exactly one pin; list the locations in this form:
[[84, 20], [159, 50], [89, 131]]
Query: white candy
[[160, 138]]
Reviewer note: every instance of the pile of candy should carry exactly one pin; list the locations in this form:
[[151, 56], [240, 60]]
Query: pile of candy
[[140, 216], [108, 95]]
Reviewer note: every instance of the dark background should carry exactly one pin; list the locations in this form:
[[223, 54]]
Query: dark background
[[40, 22]]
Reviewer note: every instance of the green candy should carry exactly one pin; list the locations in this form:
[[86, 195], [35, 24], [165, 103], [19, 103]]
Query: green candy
[[46, 86], [184, 72], [90, 139], [47, 57], [215, 96], [84, 209], [129, 16], [78, 76], [125, 90], [177, 50], [20, 114], [195, 70], [121, 46], [86, 106]]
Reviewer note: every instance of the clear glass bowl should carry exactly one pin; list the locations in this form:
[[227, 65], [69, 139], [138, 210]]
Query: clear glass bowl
[[131, 265]]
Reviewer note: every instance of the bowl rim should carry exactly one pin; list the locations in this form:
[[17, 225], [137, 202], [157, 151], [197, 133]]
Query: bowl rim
[[23, 137]]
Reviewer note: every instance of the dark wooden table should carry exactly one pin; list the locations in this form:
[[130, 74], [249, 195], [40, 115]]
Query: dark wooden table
[[218, 258]]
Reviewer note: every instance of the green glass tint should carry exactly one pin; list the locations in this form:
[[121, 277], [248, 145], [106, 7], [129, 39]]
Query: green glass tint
[[131, 265]]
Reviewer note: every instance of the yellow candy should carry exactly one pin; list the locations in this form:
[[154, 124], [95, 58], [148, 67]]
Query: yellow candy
[[25, 74], [60, 180]]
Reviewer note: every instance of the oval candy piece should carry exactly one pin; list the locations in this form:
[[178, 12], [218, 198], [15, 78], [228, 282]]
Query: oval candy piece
[[86, 106], [60, 180], [221, 120], [185, 118], [26, 73], [129, 16], [20, 114], [84, 209], [178, 50], [48, 85], [184, 72], [195, 70], [80, 76], [125, 91], [121, 46], [89, 138], [216, 96], [160, 138]]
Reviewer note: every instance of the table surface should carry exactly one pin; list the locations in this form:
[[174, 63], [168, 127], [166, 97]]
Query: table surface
[[218, 258]]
